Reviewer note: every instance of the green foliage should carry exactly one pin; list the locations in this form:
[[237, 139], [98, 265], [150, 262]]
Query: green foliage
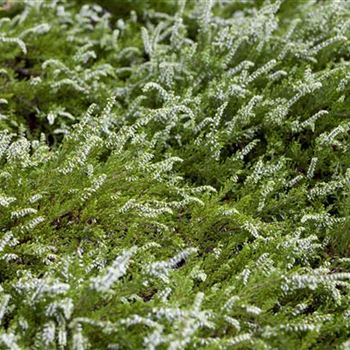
[[174, 175]]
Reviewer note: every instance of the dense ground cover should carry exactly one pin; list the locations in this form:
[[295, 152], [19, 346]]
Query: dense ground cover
[[174, 175]]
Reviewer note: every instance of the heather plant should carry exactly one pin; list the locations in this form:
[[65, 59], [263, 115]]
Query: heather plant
[[174, 175]]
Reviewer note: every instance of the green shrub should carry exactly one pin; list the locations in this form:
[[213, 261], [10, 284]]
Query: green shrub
[[174, 175]]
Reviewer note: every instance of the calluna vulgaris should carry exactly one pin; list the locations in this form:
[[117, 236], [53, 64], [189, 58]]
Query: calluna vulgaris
[[175, 174]]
